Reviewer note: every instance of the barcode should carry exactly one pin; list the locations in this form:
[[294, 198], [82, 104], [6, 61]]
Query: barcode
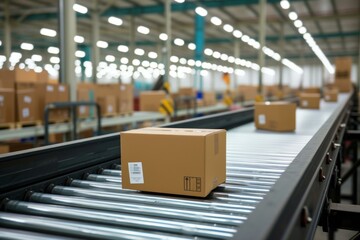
[[136, 173]]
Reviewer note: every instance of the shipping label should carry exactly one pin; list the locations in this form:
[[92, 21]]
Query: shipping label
[[136, 173]]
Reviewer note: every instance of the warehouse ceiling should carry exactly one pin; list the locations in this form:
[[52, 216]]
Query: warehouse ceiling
[[334, 25]]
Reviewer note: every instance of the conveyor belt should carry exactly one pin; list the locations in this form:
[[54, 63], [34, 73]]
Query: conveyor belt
[[97, 206]]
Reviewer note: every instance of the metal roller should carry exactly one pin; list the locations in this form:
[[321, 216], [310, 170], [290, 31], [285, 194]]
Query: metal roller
[[141, 209], [78, 229], [12, 234], [121, 220]]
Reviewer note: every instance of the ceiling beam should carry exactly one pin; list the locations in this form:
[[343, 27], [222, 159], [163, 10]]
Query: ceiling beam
[[335, 11]]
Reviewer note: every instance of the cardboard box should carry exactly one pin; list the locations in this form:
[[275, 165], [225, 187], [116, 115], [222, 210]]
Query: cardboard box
[[18, 75], [4, 149], [151, 100], [310, 100], [91, 92], [27, 105], [7, 105], [343, 68], [331, 95], [343, 85], [83, 96], [275, 116], [126, 99], [311, 90], [194, 169], [42, 77], [209, 98], [188, 91], [107, 105], [247, 92]]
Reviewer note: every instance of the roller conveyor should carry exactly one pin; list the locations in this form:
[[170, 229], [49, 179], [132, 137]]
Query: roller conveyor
[[92, 204]]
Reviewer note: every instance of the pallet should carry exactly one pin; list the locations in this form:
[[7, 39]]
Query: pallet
[[110, 115], [58, 121], [7, 125], [28, 124]]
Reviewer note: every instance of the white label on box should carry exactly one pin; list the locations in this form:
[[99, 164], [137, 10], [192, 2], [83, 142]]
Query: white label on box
[[49, 88], [305, 103], [82, 109], [1, 98], [327, 97], [262, 119], [25, 112], [122, 88], [27, 99], [61, 88], [136, 173], [110, 108]]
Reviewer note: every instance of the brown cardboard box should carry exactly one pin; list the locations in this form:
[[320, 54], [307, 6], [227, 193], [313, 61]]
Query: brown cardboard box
[[343, 68], [276, 116], [343, 85], [63, 96], [188, 91], [7, 105], [209, 98], [18, 75], [107, 105], [310, 100], [56, 137], [331, 95], [194, 169], [42, 77], [27, 105], [83, 96], [126, 99], [248, 92], [151, 100], [4, 149], [311, 90]]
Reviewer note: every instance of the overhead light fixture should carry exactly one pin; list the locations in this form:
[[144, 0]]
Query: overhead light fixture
[[293, 16], [216, 21], [152, 55], [79, 54], [0, 42], [53, 50], [174, 59], [284, 4], [143, 30], [179, 1], [102, 44], [302, 30], [179, 42], [27, 46], [36, 58], [208, 51], [191, 46], [124, 60], [80, 8], [115, 21], [201, 11], [139, 51], [237, 33], [216, 54], [79, 39], [228, 28], [298, 23], [110, 58], [245, 38], [48, 32], [123, 48], [163, 36], [15, 55], [136, 62], [292, 65], [224, 57]]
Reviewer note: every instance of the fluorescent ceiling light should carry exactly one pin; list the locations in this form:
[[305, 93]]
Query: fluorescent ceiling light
[[123, 48], [79, 39], [15, 55], [102, 44], [237, 33], [152, 55], [201, 11], [216, 54], [174, 59], [80, 8], [208, 51], [48, 32], [292, 65], [293, 16], [216, 21], [179, 42], [228, 28], [38, 69], [115, 21], [191, 62], [0, 42], [53, 50], [191, 46], [285, 4], [143, 30], [179, 1], [136, 62], [80, 54], [139, 51], [124, 60], [27, 46], [245, 38], [36, 58], [110, 58], [224, 57], [302, 30], [298, 23], [163, 36]]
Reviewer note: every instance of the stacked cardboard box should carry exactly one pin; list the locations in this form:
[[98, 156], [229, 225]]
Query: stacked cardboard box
[[107, 97], [126, 99], [248, 92], [311, 90], [343, 74], [209, 98], [331, 94], [86, 93], [310, 100], [188, 91], [7, 101], [151, 100]]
